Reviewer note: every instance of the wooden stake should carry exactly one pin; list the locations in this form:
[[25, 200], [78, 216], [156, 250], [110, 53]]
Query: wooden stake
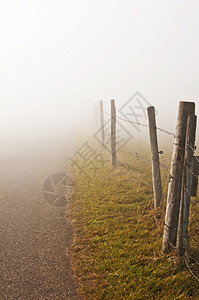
[[113, 134], [186, 186], [195, 176], [156, 176], [101, 117], [174, 190]]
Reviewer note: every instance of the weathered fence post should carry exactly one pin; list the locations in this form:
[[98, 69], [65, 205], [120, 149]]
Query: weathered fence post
[[186, 185], [113, 134], [101, 118], [195, 176], [174, 190], [157, 188]]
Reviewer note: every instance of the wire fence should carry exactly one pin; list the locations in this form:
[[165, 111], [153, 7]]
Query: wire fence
[[166, 168], [189, 268], [140, 124], [137, 176], [196, 223]]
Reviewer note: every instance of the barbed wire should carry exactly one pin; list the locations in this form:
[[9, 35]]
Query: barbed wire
[[186, 262], [195, 202], [165, 131], [138, 156], [197, 262], [188, 192], [195, 220], [150, 160], [192, 200], [193, 150], [186, 189], [192, 173], [193, 240], [140, 124], [141, 157], [141, 179], [128, 121]]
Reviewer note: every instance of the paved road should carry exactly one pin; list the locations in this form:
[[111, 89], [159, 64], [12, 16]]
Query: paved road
[[34, 235]]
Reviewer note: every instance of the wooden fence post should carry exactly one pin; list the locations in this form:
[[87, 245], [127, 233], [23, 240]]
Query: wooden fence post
[[157, 187], [174, 190], [113, 134], [101, 118], [195, 176], [186, 186]]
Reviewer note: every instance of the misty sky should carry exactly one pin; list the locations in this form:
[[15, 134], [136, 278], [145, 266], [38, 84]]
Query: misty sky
[[58, 57]]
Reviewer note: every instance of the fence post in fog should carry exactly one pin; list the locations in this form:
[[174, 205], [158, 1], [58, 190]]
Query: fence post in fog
[[186, 186], [101, 118], [156, 176], [175, 184], [195, 176], [113, 134]]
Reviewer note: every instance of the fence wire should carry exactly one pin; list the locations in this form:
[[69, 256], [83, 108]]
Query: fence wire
[[189, 268], [163, 166], [141, 179], [140, 124]]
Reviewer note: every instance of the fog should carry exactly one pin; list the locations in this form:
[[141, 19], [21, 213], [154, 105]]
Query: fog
[[59, 58]]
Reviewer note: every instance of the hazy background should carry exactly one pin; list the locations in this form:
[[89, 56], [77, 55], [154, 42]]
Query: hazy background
[[59, 57]]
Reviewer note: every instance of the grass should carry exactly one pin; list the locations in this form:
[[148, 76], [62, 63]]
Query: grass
[[117, 247]]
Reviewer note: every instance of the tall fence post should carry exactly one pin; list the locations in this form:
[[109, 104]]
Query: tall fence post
[[186, 186], [101, 118], [157, 187], [174, 189], [113, 134], [195, 176]]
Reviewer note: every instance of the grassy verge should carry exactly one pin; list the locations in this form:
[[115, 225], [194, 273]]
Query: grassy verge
[[117, 249]]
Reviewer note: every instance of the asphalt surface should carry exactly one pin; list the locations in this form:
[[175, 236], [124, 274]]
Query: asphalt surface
[[34, 235]]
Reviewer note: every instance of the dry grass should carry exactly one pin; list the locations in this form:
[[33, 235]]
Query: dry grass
[[117, 249]]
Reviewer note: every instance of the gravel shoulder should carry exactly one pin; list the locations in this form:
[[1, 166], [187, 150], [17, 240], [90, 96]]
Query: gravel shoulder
[[34, 235]]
